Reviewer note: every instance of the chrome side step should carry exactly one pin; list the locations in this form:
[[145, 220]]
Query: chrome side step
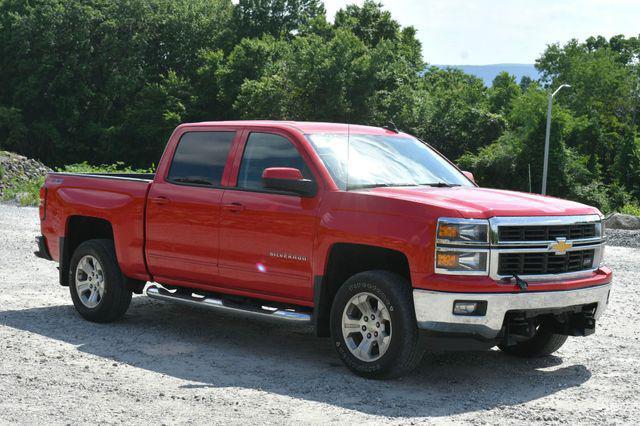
[[213, 303]]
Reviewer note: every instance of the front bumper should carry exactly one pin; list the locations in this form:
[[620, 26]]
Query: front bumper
[[434, 309]]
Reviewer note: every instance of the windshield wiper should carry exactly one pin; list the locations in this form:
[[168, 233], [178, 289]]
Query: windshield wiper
[[379, 185], [440, 184], [391, 185]]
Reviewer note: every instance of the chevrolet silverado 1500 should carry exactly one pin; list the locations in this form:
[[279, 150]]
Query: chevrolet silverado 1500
[[366, 233]]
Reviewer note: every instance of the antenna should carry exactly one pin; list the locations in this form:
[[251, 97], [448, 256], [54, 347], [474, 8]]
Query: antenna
[[391, 126]]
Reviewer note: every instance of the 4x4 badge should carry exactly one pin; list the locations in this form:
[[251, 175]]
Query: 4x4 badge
[[560, 246]]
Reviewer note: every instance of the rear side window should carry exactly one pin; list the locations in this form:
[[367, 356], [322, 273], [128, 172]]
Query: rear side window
[[264, 150], [200, 158]]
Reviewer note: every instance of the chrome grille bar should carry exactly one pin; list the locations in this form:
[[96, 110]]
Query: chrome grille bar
[[544, 260]]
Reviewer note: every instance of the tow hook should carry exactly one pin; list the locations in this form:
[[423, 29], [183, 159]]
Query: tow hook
[[522, 284]]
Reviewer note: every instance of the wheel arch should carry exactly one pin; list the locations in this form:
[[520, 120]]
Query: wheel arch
[[78, 230], [345, 260]]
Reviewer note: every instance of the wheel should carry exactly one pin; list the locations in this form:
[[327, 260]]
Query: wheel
[[373, 325], [96, 283], [543, 343]]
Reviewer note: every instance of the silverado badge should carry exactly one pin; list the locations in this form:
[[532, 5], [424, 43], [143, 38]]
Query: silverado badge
[[560, 246]]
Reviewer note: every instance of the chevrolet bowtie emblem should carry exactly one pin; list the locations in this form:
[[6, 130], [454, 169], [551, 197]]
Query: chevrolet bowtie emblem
[[560, 246]]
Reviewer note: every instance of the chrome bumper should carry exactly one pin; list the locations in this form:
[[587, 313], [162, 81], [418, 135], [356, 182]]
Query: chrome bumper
[[434, 310]]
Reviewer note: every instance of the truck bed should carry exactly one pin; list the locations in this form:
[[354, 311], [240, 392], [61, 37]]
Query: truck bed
[[117, 198]]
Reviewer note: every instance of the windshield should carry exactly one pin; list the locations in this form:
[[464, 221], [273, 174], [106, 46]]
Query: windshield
[[381, 160]]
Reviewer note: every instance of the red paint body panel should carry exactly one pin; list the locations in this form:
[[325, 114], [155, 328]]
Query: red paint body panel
[[183, 232], [272, 245], [484, 203], [119, 201]]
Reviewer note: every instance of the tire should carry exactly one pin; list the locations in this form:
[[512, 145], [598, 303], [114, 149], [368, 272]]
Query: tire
[[543, 343], [369, 356], [100, 296]]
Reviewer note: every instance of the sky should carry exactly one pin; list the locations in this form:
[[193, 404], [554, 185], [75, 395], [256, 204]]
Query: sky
[[479, 32]]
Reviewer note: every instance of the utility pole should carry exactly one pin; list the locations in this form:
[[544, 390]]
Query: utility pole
[[546, 140]]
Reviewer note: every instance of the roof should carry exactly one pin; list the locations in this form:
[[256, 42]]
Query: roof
[[302, 126]]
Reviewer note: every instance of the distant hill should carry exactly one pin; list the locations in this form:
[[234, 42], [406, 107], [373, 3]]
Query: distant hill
[[488, 72]]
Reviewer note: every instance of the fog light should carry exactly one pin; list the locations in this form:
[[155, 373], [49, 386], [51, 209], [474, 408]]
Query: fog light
[[468, 307]]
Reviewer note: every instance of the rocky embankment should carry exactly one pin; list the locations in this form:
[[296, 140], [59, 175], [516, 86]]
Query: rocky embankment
[[623, 230], [16, 169]]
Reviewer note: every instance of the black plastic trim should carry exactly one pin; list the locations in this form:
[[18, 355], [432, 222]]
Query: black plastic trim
[[63, 267], [321, 307], [43, 251], [138, 177]]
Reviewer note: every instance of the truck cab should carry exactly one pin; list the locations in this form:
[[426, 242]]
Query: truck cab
[[367, 233]]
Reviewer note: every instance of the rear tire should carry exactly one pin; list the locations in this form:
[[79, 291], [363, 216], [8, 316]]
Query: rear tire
[[373, 325], [543, 343], [96, 283]]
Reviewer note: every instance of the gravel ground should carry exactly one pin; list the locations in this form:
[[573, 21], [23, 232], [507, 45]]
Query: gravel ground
[[168, 364], [623, 238]]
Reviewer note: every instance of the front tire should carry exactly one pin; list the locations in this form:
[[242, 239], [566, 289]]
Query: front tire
[[543, 343], [373, 325], [96, 283]]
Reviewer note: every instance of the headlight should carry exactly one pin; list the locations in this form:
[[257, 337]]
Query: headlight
[[463, 231], [461, 262], [462, 246]]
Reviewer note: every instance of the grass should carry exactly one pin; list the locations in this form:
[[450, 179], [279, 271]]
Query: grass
[[27, 192]]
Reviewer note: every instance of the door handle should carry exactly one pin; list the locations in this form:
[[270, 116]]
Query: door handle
[[233, 207], [159, 200]]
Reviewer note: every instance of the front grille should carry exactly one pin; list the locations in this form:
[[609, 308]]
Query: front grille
[[546, 232], [544, 263]]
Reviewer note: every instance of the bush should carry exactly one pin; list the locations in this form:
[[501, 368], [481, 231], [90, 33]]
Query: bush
[[118, 167], [24, 192], [594, 194], [632, 209]]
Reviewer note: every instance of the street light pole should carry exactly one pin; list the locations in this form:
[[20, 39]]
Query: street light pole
[[546, 139]]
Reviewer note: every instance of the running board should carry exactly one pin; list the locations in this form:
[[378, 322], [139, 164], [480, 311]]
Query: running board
[[219, 304]]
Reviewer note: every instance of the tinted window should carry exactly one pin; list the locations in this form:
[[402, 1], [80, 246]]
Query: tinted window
[[200, 158], [264, 150]]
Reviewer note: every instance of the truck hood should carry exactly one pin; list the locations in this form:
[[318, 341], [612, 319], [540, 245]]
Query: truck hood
[[473, 202]]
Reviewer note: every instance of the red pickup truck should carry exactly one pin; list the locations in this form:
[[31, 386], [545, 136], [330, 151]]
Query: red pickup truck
[[366, 233]]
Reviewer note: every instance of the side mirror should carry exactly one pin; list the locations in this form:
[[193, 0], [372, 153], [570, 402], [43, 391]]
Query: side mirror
[[469, 176], [288, 179]]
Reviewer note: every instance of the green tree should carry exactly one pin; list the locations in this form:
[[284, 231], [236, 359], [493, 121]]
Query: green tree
[[70, 69], [502, 93], [458, 118], [369, 22], [277, 18], [604, 78]]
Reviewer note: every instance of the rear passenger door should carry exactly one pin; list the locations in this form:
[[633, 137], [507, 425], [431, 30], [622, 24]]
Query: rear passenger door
[[183, 209], [267, 236]]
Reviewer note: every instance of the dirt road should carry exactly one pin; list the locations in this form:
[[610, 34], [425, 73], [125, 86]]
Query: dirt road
[[169, 364]]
